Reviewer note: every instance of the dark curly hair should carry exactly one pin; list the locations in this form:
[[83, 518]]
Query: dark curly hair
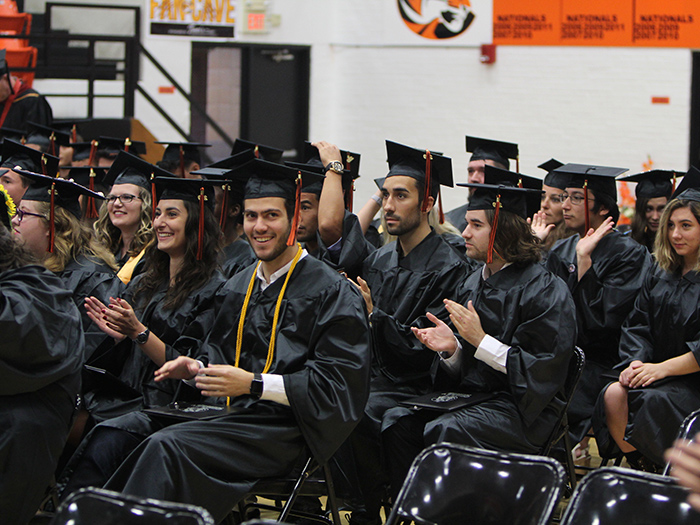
[[193, 274]]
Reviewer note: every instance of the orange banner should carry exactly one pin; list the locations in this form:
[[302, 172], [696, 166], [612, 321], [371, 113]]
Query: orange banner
[[638, 23]]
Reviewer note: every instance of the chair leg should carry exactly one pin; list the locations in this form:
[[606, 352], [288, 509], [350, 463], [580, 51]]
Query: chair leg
[[570, 466], [332, 500], [295, 492]]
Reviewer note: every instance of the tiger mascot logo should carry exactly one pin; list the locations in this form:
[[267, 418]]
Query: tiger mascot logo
[[437, 19]]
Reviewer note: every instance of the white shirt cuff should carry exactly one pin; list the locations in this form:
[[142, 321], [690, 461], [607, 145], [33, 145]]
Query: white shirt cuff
[[451, 363], [273, 389], [191, 382], [494, 353]]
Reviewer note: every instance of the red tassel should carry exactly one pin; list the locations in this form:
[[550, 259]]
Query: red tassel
[[91, 208], [520, 182], [295, 220], [428, 157], [224, 206], [351, 196], [200, 239], [517, 164], [182, 162], [441, 213], [153, 197], [74, 133], [256, 151], [52, 144], [585, 204], [93, 152], [52, 225], [673, 189], [492, 236], [44, 168], [127, 143]]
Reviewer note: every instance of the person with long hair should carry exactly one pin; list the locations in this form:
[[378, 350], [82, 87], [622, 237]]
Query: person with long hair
[[41, 352], [167, 309], [48, 223], [124, 224], [659, 384], [653, 191]]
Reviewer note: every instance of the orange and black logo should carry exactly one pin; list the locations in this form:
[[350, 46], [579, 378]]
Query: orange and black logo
[[437, 19]]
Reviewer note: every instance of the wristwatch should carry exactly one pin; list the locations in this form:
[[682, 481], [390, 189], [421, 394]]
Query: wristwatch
[[335, 166], [142, 337], [256, 386]]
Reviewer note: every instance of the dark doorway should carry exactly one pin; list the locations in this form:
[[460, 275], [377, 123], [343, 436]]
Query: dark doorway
[[254, 92], [695, 113]]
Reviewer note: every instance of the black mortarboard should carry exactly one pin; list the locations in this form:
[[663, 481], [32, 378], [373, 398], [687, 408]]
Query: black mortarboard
[[427, 167], [130, 169], [176, 153], [235, 160], [113, 145], [92, 178], [553, 179], [654, 183], [379, 182], [13, 134], [495, 150], [503, 190], [48, 138], [312, 166], [269, 179], [599, 179], [72, 127], [28, 159], [689, 188], [232, 188], [81, 150], [261, 151]]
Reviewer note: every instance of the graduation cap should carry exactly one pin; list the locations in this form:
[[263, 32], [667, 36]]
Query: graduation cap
[[495, 150], [428, 168], [600, 179], [89, 177], [260, 150], [71, 127], [503, 190], [130, 169], [56, 192], [270, 179], [552, 179], [314, 186], [232, 188], [379, 182], [13, 134], [7, 208], [176, 153], [15, 154], [113, 145], [46, 137], [654, 183], [689, 188], [85, 151]]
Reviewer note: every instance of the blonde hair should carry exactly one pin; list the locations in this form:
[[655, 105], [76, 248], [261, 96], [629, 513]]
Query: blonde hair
[[665, 255], [110, 236], [72, 240]]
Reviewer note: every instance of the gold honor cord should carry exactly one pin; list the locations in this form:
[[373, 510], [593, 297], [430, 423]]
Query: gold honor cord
[[273, 337]]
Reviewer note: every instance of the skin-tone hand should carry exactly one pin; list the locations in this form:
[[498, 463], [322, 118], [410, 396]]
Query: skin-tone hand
[[628, 373], [539, 226], [438, 338], [95, 309], [586, 245], [224, 381], [646, 373], [181, 368], [121, 318], [362, 285], [684, 456], [328, 152], [466, 321]]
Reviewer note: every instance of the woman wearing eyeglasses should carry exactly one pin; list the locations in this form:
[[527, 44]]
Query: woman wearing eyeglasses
[[124, 224], [659, 383]]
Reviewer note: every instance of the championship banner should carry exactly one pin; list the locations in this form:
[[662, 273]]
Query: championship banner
[[192, 18], [621, 23]]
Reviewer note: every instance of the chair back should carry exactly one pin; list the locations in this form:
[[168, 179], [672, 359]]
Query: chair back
[[91, 505], [612, 495], [688, 430], [452, 484]]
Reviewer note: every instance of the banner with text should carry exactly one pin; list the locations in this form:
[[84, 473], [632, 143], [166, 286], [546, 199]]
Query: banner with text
[[639, 23], [192, 18]]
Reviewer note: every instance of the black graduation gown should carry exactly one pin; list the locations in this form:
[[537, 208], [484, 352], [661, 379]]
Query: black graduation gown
[[322, 352], [41, 353], [236, 256], [182, 331], [354, 248], [603, 297], [86, 277], [664, 323], [29, 106]]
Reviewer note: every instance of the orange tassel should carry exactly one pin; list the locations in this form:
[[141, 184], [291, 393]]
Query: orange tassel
[[52, 225], [673, 189], [492, 236], [153, 197], [428, 157], [74, 133], [200, 239], [295, 220], [127, 143], [585, 204], [441, 213], [93, 152]]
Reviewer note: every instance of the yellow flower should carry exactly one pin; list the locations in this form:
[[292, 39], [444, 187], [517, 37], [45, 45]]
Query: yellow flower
[[9, 203]]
